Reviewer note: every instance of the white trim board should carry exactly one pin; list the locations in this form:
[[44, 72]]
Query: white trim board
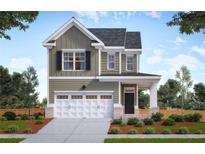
[[82, 92]]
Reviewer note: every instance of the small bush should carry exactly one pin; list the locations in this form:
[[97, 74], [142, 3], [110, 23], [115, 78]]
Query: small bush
[[24, 116], [117, 121], [149, 130], [40, 117], [196, 117], [115, 131], [10, 115], [132, 121], [18, 118], [177, 118], [12, 128], [188, 117], [198, 132], [169, 122], [157, 116], [28, 131], [3, 118], [140, 124], [31, 117], [182, 130], [166, 131], [39, 122], [123, 124], [148, 121], [132, 131], [36, 115]]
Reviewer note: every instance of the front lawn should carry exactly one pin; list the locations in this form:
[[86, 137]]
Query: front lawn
[[11, 140], [154, 140]]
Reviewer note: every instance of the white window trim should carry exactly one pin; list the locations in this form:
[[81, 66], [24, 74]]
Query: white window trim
[[108, 54], [74, 51], [130, 55]]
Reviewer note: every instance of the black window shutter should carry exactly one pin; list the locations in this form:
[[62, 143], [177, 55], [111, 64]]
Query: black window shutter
[[59, 60], [88, 59]]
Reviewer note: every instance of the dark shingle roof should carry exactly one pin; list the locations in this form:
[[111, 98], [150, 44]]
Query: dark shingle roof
[[130, 74], [118, 37]]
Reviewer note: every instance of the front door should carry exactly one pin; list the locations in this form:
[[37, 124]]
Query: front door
[[129, 103]]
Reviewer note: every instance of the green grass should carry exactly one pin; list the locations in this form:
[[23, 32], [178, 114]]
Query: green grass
[[21, 124], [11, 140], [154, 140]]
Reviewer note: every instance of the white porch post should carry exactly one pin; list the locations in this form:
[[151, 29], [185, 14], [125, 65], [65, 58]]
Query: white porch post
[[119, 93], [153, 96], [137, 99], [99, 62], [120, 57]]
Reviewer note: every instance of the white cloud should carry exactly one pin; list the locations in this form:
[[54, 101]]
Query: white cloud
[[153, 14], [20, 64], [179, 41], [199, 50], [91, 15], [181, 59], [156, 58]]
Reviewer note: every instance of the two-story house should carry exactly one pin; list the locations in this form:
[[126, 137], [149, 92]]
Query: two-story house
[[95, 72]]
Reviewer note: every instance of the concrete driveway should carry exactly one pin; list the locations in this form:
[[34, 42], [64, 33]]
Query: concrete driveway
[[72, 131]]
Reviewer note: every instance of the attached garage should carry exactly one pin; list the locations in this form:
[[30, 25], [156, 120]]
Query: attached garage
[[83, 104]]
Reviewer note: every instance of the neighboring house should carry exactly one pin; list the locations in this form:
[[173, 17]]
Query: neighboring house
[[95, 73]]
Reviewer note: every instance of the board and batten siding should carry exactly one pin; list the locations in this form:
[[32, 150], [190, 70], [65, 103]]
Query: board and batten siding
[[76, 85], [73, 39], [123, 61]]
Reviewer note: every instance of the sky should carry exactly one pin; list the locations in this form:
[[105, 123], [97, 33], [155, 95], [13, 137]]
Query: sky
[[164, 49]]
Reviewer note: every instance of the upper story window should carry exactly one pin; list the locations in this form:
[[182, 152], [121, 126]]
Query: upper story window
[[130, 62], [74, 61], [111, 61]]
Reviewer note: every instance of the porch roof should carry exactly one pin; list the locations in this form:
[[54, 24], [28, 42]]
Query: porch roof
[[131, 74]]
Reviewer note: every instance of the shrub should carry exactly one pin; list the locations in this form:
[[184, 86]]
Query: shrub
[[148, 121], [10, 115], [28, 131], [149, 130], [132, 121], [182, 130], [169, 122], [166, 131], [36, 115], [177, 118], [132, 131], [24, 116], [12, 128], [123, 124], [157, 116], [18, 118], [3, 118], [140, 124], [188, 117], [117, 121], [40, 117], [196, 117], [39, 122], [31, 117], [115, 131], [198, 132]]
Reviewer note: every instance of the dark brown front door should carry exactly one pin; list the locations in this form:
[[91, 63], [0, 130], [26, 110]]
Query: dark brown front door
[[129, 103]]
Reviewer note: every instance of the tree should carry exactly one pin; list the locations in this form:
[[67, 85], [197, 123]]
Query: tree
[[184, 77], [199, 92], [189, 22], [44, 102], [29, 87], [143, 99], [15, 19], [168, 92]]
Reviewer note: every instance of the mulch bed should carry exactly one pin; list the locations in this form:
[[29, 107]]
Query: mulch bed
[[125, 129], [31, 124]]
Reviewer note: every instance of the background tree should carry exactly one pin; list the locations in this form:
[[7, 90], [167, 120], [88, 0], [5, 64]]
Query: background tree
[[199, 92], [44, 102], [15, 19], [143, 99], [189, 22], [184, 77]]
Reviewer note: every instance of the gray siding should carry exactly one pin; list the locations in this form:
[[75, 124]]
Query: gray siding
[[75, 85], [123, 67], [73, 39], [104, 69]]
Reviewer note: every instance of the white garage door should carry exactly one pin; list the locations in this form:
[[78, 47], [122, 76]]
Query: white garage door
[[83, 105]]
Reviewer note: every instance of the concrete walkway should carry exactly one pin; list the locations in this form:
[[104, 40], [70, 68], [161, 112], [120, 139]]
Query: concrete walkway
[[72, 131]]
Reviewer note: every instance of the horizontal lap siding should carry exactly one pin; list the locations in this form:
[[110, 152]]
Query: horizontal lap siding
[[73, 39], [76, 85]]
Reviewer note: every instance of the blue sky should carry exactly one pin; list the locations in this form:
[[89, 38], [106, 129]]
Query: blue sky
[[164, 49]]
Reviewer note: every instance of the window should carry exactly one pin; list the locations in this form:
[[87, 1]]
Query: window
[[111, 61], [91, 97], [62, 96], [76, 97], [74, 61], [129, 62], [106, 97]]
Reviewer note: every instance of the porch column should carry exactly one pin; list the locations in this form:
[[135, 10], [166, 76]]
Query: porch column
[[99, 62], [119, 93], [153, 96], [137, 99], [120, 64]]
